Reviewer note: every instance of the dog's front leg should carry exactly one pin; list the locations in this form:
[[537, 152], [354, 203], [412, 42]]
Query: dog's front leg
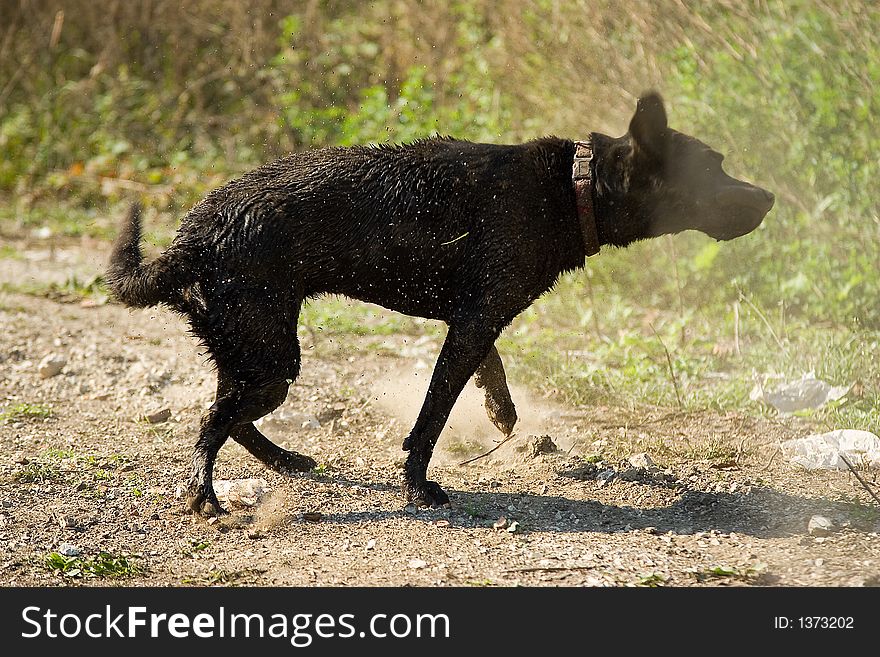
[[499, 405], [466, 345]]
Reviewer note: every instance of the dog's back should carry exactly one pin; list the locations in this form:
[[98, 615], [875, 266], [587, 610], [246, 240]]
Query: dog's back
[[409, 227]]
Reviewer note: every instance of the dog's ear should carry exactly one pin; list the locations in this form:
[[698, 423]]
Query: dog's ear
[[648, 128]]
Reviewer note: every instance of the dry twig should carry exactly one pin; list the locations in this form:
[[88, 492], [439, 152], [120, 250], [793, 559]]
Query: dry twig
[[671, 370], [859, 477], [477, 458]]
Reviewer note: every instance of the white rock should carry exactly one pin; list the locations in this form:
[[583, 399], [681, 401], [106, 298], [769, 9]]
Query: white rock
[[820, 526], [244, 492], [416, 564], [51, 366], [641, 461], [822, 451], [157, 417], [69, 550], [604, 477]]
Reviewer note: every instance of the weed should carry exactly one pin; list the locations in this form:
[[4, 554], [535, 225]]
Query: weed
[[36, 473], [480, 582], [751, 574], [463, 448], [25, 411], [861, 514], [652, 580], [104, 564], [195, 546]]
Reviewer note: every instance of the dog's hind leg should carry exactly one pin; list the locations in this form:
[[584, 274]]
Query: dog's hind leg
[[257, 356], [499, 405], [270, 454], [238, 404], [466, 346]]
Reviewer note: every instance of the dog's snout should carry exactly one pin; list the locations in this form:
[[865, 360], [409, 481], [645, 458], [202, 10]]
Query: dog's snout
[[746, 195]]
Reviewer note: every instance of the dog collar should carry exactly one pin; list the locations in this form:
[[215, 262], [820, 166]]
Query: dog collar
[[582, 178]]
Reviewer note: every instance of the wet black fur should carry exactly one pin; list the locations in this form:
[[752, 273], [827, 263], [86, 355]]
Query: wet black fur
[[470, 234]]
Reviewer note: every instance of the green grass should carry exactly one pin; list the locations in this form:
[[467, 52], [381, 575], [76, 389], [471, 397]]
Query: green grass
[[44, 468], [37, 472], [195, 546], [462, 448], [335, 315], [25, 411], [556, 348], [751, 574], [652, 580], [62, 219], [73, 289], [7, 251], [101, 565]]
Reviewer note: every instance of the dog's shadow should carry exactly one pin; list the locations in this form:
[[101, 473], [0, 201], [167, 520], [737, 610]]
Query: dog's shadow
[[763, 513]]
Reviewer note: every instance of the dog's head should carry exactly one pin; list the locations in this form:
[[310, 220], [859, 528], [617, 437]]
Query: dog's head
[[673, 182]]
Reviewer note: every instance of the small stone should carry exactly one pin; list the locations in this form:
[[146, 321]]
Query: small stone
[[311, 423], [67, 522], [541, 445], [416, 564], [604, 477], [313, 516], [411, 509], [641, 460], [820, 526], [514, 526], [157, 417], [255, 535], [69, 550], [442, 523], [371, 544], [51, 366], [212, 520], [21, 459], [501, 523]]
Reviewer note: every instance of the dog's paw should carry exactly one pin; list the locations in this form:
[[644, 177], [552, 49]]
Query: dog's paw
[[292, 462], [502, 415], [427, 493], [204, 503]]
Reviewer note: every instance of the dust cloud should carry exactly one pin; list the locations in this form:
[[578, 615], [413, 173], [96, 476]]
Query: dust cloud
[[400, 391]]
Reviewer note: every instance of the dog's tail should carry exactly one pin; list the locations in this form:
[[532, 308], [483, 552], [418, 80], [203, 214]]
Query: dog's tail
[[131, 280]]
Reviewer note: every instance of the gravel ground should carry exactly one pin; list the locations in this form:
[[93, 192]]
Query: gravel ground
[[96, 481]]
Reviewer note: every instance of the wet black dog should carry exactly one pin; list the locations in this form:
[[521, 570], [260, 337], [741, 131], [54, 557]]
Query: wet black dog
[[467, 233]]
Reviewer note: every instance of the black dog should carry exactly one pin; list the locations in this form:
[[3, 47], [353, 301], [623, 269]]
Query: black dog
[[467, 233]]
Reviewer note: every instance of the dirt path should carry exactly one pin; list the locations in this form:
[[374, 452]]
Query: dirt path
[[91, 478]]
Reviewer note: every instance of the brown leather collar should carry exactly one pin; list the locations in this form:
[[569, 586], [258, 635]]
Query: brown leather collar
[[582, 178]]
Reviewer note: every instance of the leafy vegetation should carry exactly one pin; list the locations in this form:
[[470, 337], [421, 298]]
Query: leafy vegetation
[[24, 411], [193, 96], [103, 564]]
